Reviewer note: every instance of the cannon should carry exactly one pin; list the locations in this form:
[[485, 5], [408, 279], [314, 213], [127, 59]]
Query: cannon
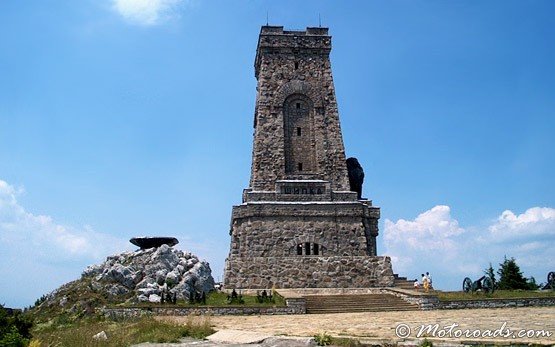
[[484, 283], [550, 281]]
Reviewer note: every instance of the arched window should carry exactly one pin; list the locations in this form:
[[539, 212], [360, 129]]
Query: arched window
[[309, 248]]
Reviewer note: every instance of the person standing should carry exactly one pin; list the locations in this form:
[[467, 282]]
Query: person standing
[[425, 283], [430, 282]]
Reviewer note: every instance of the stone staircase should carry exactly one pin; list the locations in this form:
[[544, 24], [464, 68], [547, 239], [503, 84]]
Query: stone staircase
[[356, 303], [403, 283]]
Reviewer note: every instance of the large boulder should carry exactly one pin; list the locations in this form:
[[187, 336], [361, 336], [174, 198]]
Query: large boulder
[[147, 273]]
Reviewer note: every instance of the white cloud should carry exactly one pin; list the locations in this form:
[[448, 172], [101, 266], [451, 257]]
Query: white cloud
[[435, 242], [535, 221], [148, 12], [528, 237], [431, 230], [23, 229], [427, 243], [29, 242]]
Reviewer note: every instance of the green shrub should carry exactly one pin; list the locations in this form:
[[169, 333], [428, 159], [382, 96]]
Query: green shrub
[[323, 339], [14, 328], [12, 338], [63, 319]]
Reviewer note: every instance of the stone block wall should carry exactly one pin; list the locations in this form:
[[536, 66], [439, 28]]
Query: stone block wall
[[309, 272], [296, 306], [424, 301], [299, 224], [495, 303], [275, 229], [336, 241], [431, 301], [294, 67]]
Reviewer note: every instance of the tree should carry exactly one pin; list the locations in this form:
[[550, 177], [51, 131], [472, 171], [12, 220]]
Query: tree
[[532, 284], [510, 276], [14, 329], [491, 274]]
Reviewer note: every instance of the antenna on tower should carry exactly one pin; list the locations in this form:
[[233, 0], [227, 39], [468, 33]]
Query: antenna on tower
[[267, 18], [319, 21]]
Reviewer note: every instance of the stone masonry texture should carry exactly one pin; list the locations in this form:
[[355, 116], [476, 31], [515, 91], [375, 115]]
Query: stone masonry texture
[[299, 226]]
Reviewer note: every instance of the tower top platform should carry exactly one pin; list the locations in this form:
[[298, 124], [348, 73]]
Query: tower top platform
[[274, 39], [278, 30]]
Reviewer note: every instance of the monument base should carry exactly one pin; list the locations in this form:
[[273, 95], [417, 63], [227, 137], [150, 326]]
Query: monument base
[[309, 272]]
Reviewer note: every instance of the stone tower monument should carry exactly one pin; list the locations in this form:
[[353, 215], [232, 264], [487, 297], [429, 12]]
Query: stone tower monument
[[299, 225]]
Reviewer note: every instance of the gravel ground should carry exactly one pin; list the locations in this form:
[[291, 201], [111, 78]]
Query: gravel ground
[[381, 326]]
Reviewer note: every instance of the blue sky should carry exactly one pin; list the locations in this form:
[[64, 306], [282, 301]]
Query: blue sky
[[134, 117]]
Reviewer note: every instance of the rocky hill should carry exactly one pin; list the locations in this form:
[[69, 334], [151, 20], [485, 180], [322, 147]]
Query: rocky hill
[[132, 277]]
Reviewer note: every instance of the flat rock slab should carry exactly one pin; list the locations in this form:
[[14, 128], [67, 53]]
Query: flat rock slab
[[275, 341], [238, 336], [286, 341], [145, 242]]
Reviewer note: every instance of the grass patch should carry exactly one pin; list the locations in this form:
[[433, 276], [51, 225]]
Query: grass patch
[[499, 294], [346, 342], [324, 339], [80, 297], [215, 299], [124, 333], [220, 299]]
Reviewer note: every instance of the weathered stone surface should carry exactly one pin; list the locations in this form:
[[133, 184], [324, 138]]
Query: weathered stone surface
[[495, 303], [273, 229], [379, 329], [154, 298], [294, 306], [147, 273], [299, 223], [100, 336], [295, 90], [311, 272]]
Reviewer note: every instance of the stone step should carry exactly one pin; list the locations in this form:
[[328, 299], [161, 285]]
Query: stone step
[[365, 309], [350, 308], [356, 303], [353, 296], [403, 282], [353, 301]]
